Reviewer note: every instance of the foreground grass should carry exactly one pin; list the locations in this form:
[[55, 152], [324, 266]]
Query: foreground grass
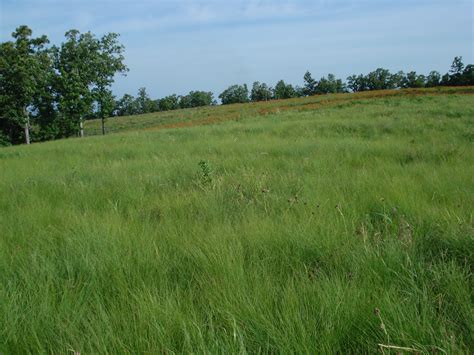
[[321, 231]]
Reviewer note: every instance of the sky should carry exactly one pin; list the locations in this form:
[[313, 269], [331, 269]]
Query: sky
[[182, 45]]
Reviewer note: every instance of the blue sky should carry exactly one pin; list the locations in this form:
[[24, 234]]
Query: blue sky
[[178, 46]]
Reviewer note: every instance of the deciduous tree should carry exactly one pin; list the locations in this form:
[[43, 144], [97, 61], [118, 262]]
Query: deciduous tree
[[330, 85], [357, 83], [197, 99], [260, 92], [24, 64], [74, 62], [108, 61], [126, 106], [413, 80], [309, 84], [235, 94], [433, 79], [143, 102], [167, 103], [283, 91]]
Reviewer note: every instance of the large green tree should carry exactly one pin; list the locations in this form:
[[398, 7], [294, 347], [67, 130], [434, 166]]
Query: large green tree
[[143, 103], [126, 106], [108, 60], [413, 80], [283, 91], [170, 102], [86, 67], [45, 114], [357, 83], [459, 74], [468, 75], [433, 79], [74, 64], [196, 99], [310, 84], [380, 79], [24, 64], [260, 92], [235, 94], [330, 85]]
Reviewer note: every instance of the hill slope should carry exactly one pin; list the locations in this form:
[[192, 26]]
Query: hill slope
[[328, 229], [217, 114]]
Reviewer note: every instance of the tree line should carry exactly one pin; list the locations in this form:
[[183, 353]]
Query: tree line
[[379, 79], [142, 103], [47, 92]]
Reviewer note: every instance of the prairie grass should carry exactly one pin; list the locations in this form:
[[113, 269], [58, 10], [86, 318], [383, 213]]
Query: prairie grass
[[327, 230], [216, 114]]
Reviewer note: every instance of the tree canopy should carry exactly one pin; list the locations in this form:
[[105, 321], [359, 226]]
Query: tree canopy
[[261, 92], [55, 88], [24, 65], [283, 91], [235, 94]]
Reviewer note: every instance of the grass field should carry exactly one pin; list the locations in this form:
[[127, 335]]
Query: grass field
[[319, 225], [217, 114]]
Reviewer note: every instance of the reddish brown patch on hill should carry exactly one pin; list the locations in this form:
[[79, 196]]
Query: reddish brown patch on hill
[[297, 106]]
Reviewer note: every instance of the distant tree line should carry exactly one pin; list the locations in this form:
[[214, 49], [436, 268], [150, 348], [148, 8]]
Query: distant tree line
[[142, 103], [382, 79], [379, 79], [47, 92]]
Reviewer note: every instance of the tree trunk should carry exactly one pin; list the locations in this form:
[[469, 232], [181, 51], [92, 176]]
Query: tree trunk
[[103, 125], [27, 133], [81, 128], [27, 126]]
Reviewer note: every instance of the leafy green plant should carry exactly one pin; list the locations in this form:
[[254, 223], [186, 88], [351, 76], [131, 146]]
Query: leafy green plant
[[206, 171], [4, 141]]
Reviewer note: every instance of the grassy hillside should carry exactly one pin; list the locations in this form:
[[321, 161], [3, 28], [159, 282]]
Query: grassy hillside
[[310, 226], [211, 115]]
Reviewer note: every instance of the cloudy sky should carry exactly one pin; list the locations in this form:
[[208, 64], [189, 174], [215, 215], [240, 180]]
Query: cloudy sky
[[178, 46]]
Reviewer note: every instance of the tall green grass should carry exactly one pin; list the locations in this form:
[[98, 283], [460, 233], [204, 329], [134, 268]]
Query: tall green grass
[[235, 112], [323, 231]]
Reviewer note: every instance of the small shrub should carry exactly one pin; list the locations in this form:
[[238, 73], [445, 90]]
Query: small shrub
[[4, 142], [206, 171]]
